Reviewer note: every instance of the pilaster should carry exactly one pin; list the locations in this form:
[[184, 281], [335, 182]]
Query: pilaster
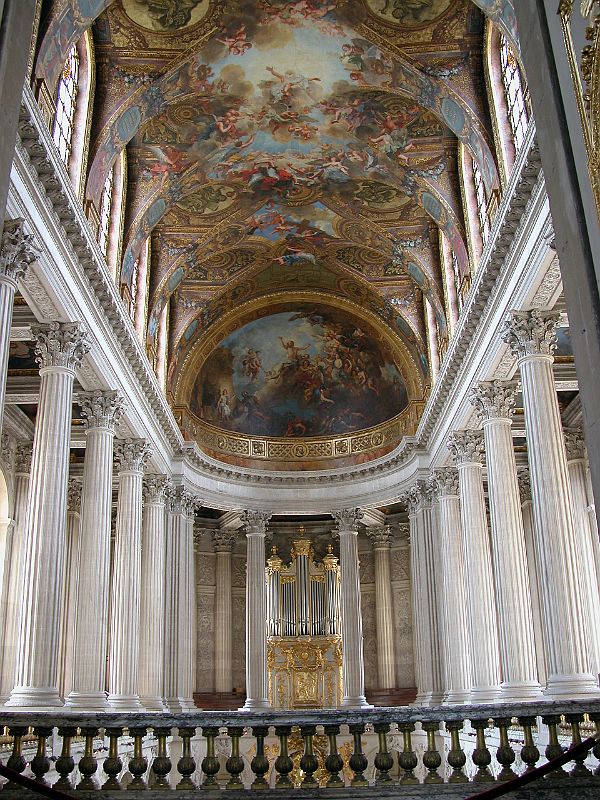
[[223, 540], [381, 540], [257, 696]]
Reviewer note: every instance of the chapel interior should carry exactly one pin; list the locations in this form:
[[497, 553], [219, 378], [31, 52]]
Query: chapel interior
[[299, 357]]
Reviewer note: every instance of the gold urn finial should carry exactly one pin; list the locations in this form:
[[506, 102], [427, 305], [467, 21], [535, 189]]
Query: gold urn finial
[[274, 562], [330, 562]]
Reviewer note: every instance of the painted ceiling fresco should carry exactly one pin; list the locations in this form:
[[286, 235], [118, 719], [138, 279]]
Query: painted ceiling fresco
[[297, 143]]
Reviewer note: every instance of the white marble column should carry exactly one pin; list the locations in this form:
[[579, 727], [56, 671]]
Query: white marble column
[[533, 573], [17, 252], [14, 595], [353, 668], [494, 402], [223, 541], [179, 666], [100, 410], [257, 694], [590, 593], [131, 456], [425, 584], [152, 600], [532, 337], [457, 649], [381, 540], [60, 348], [69, 611], [467, 449]]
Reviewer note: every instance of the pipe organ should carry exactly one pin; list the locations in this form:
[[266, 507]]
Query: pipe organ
[[304, 645]]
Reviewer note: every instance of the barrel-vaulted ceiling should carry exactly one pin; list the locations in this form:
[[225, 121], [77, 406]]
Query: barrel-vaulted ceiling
[[278, 138]]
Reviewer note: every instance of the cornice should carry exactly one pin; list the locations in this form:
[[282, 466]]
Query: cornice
[[50, 177]]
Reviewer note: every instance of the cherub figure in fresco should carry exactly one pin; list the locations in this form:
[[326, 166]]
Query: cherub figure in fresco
[[170, 15], [237, 43], [252, 364], [394, 136], [171, 161], [227, 124], [303, 131]]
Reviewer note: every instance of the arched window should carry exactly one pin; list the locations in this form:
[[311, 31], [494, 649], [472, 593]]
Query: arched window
[[514, 92], [105, 212], [72, 119], [481, 203], [66, 103]]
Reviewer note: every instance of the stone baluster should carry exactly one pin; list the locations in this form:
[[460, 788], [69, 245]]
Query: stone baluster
[[17, 252], [256, 611], [179, 663], [494, 402], [425, 579], [457, 648], [353, 668], [467, 449], [69, 611], [152, 599], [532, 337], [590, 593], [533, 573], [131, 456], [100, 410], [14, 595], [223, 541], [381, 540], [60, 348]]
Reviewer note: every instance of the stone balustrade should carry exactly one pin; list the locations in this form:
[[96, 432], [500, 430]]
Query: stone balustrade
[[398, 751]]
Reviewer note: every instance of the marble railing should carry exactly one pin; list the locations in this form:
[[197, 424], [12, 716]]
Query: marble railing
[[470, 746]]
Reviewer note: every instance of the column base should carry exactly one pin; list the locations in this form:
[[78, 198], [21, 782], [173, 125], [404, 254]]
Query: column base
[[457, 697], [256, 705], [574, 687], [485, 694], [152, 704], [355, 702], [34, 697], [178, 705], [518, 692], [87, 701], [124, 702], [429, 699]]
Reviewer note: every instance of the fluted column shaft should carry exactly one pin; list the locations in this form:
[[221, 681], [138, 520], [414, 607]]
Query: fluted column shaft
[[257, 692], [179, 600], [131, 456], [69, 612], [590, 593], [381, 539], [467, 448], [419, 618], [532, 337], [17, 251], [223, 540], [494, 402], [100, 410], [60, 347], [456, 622], [353, 668], [14, 597], [152, 599]]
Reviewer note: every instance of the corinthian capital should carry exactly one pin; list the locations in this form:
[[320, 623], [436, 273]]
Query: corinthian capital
[[467, 447], [574, 443], [23, 453], [155, 488], [182, 501], [60, 344], [256, 522], [380, 536], [530, 333], [17, 250], [223, 539], [347, 519], [493, 399], [131, 455], [100, 409], [446, 479]]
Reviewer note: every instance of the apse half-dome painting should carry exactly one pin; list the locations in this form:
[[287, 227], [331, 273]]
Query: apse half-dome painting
[[271, 145], [314, 371]]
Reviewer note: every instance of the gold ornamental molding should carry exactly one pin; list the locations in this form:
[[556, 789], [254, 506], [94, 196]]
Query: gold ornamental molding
[[262, 448]]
